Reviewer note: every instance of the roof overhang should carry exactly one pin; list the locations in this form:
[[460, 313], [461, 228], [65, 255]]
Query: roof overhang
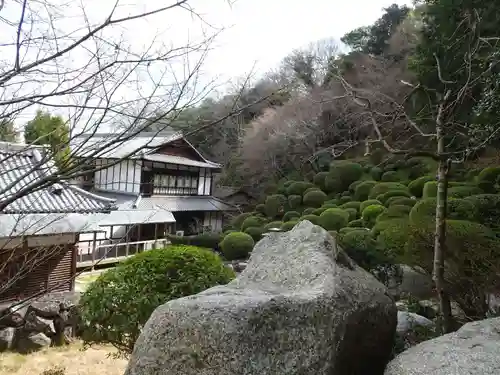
[[132, 217]]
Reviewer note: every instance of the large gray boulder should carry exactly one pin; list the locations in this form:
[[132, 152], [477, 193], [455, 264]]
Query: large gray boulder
[[472, 350], [301, 306]]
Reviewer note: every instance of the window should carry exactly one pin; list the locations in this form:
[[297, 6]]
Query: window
[[183, 183]]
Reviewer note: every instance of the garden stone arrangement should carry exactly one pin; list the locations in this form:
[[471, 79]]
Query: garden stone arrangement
[[301, 306]]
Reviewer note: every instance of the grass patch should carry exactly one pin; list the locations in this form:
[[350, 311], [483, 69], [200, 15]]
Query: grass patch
[[71, 358]]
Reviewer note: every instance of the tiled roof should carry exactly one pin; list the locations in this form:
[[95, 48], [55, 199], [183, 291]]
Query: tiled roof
[[173, 159], [23, 165], [180, 204]]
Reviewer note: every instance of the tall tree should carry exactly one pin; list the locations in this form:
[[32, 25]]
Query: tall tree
[[53, 131], [7, 131]]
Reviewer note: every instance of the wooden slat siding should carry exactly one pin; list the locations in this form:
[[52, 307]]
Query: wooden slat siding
[[179, 148], [61, 268]]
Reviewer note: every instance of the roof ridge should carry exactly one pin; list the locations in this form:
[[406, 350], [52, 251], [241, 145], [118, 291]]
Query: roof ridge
[[90, 195]]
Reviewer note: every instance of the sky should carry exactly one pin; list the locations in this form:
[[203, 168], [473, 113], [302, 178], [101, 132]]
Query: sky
[[249, 35]]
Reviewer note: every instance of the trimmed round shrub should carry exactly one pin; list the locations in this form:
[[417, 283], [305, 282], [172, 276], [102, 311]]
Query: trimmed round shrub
[[391, 176], [287, 183], [416, 187], [315, 188], [309, 211], [401, 201], [255, 232], [384, 224], [430, 190], [392, 240], [424, 212], [331, 202], [298, 188], [238, 220], [393, 193], [319, 211], [344, 199], [261, 208], [352, 204], [314, 198], [294, 201], [370, 214], [463, 191], [394, 212], [354, 185], [486, 179], [384, 187], [208, 240], [288, 225], [353, 213], [319, 179], [358, 223], [363, 190], [376, 173], [342, 175], [275, 205], [334, 219], [312, 218], [361, 247], [115, 307], [273, 225], [377, 155], [291, 215], [487, 207], [237, 245], [252, 221], [367, 203]]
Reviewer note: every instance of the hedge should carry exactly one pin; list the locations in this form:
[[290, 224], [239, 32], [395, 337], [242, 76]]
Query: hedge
[[115, 307], [342, 175], [309, 211], [237, 245], [361, 247], [424, 212], [416, 187], [391, 176], [376, 173], [206, 240], [315, 188], [384, 187], [430, 190], [384, 224], [370, 214], [334, 219], [392, 239], [358, 223], [261, 208], [314, 198]]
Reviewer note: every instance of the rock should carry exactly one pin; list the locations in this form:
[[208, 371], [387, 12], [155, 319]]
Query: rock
[[472, 350], [51, 302], [415, 282], [301, 306], [408, 321], [32, 342], [6, 338]]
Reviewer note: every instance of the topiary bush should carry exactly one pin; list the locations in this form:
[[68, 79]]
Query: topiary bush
[[341, 175], [394, 212], [353, 186], [391, 176], [384, 224], [294, 201], [363, 190], [370, 214], [416, 187], [319, 180], [384, 187], [487, 207], [344, 199], [312, 218], [376, 173], [486, 179], [393, 193], [115, 307], [252, 221], [255, 232], [463, 191], [319, 211], [334, 219], [208, 240], [367, 203], [353, 213], [238, 220], [273, 225], [275, 205], [400, 201], [291, 215], [352, 204], [358, 223], [391, 240], [288, 225], [430, 190], [261, 208], [308, 211], [424, 212], [298, 188], [315, 188], [237, 245], [314, 198]]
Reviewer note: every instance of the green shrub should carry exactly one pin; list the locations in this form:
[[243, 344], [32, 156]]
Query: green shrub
[[344, 199], [319, 180], [275, 205], [361, 247], [424, 212], [312, 218], [273, 225], [377, 155], [291, 215], [294, 201], [363, 190], [430, 190], [309, 211], [298, 188], [376, 173], [237, 245], [288, 225], [416, 187], [208, 240], [380, 226], [400, 201], [353, 186], [238, 220], [392, 239], [384, 187], [394, 212], [314, 198], [315, 188], [334, 219], [261, 208], [353, 213], [393, 193], [487, 207], [115, 307], [342, 175], [352, 204], [391, 176], [255, 232], [358, 223], [486, 179], [331, 202], [370, 213], [367, 203], [319, 211], [463, 191], [252, 221]]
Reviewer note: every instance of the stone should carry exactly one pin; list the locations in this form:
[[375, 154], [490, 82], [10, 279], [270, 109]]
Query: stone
[[301, 306], [31, 343], [472, 350], [408, 321], [7, 338], [415, 282]]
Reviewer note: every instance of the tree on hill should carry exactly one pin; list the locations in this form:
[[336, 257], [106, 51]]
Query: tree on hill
[[7, 131]]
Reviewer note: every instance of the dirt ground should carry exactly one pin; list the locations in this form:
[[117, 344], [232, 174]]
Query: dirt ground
[[71, 359]]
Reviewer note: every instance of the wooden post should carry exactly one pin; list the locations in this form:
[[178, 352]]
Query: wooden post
[[138, 246], [155, 235], [127, 240], [94, 247]]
